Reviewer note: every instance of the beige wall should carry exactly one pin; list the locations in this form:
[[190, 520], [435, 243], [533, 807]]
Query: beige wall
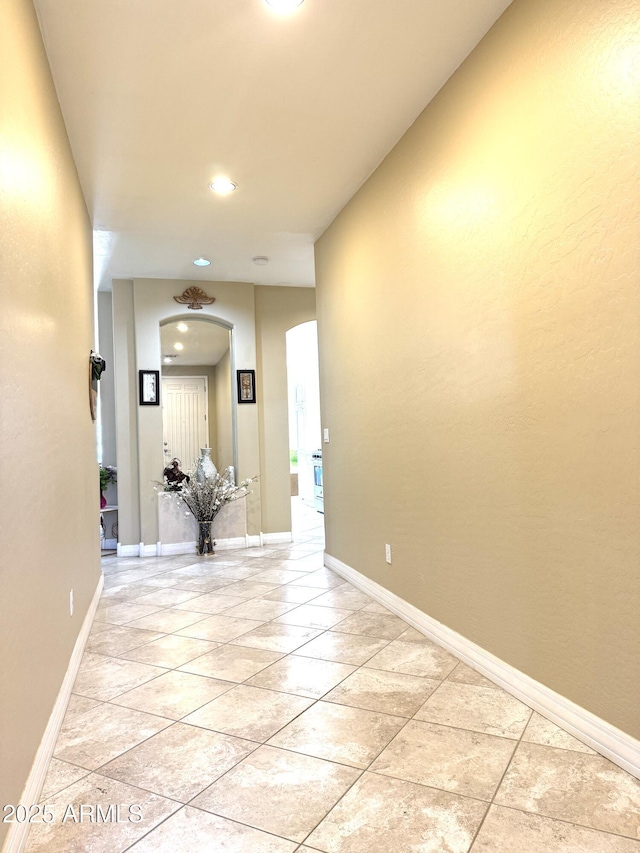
[[277, 310], [478, 307], [49, 520]]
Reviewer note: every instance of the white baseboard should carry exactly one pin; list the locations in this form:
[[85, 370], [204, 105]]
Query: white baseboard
[[169, 549], [276, 538], [17, 836], [616, 745], [128, 550]]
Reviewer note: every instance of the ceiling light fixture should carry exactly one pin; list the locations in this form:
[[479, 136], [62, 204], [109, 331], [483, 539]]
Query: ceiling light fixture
[[223, 186], [202, 262], [182, 327], [261, 260], [178, 346], [284, 5], [169, 358]]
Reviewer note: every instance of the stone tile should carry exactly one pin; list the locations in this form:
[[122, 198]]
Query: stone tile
[[307, 788], [179, 762], [249, 712], [543, 731], [250, 589], [355, 649], [119, 614], [169, 620], [373, 625], [322, 579], [258, 608], [414, 659], [170, 651], [387, 692], [167, 597], [239, 572], [375, 607], [219, 629], [311, 616], [194, 830], [118, 639], [98, 735], [214, 602], [277, 638], [201, 584], [455, 760], [303, 676], [292, 593], [232, 663], [59, 776], [510, 831], [280, 576], [584, 789], [464, 674], [98, 836], [78, 705], [173, 695], [380, 815], [347, 597], [339, 733], [103, 678], [480, 709]]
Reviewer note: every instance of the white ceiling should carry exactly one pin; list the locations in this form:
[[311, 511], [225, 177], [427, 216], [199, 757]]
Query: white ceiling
[[160, 96], [203, 342]]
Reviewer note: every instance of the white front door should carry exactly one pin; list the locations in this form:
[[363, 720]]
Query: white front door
[[184, 417]]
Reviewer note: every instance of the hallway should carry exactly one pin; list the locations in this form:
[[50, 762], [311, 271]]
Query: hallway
[[254, 702]]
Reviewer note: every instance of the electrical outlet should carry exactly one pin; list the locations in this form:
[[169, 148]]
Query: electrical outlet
[[387, 553], [71, 603]]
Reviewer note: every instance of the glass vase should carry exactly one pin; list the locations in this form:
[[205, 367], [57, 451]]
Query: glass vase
[[205, 538]]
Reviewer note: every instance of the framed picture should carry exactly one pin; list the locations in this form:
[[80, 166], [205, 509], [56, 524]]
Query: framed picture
[[246, 386], [149, 387]]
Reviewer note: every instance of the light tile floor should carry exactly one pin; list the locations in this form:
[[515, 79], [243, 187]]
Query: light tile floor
[[254, 702]]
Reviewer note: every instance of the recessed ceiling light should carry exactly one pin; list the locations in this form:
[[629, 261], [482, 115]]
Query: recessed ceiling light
[[182, 327], [168, 359], [178, 346], [261, 260], [202, 262], [223, 186], [283, 5]]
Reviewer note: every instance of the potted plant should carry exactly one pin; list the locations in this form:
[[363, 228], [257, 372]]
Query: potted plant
[[108, 474]]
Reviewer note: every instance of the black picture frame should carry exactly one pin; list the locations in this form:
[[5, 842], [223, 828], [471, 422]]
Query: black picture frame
[[149, 387], [246, 386]]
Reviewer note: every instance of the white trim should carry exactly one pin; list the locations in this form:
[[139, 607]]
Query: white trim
[[170, 549], [274, 538], [17, 836], [128, 550], [616, 745]]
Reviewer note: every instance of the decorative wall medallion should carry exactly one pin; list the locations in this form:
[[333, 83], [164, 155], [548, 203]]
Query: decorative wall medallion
[[194, 298]]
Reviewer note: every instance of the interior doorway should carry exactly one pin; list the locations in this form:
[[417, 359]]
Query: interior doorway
[[185, 401], [305, 451]]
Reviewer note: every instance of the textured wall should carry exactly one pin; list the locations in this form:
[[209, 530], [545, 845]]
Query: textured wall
[[49, 521], [478, 308]]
